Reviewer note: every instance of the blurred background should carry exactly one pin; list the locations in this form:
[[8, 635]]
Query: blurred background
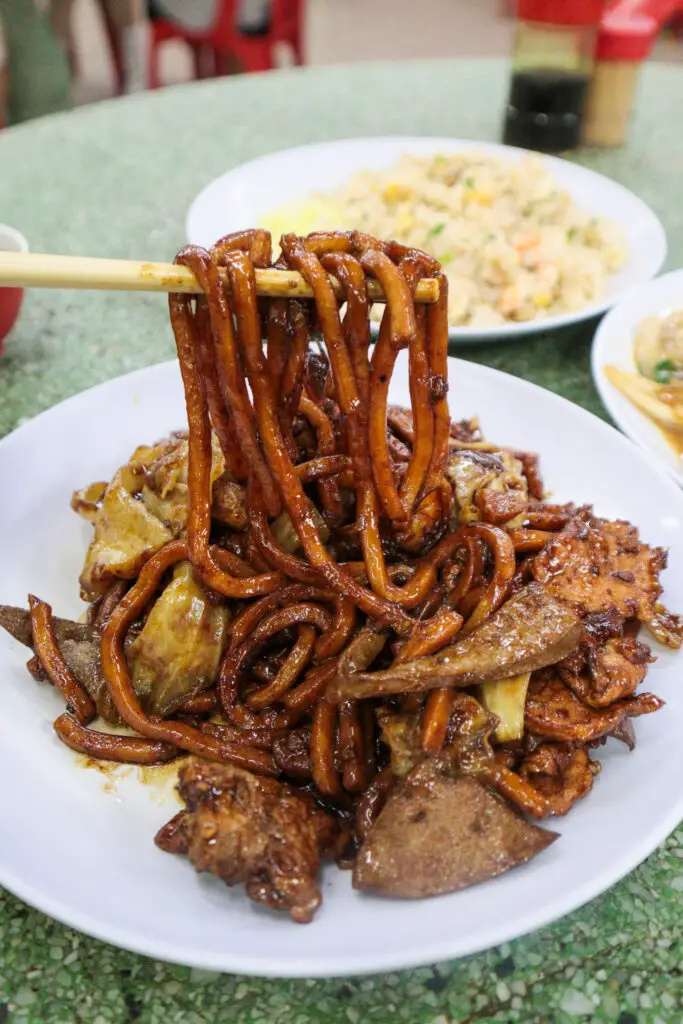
[[54, 53]]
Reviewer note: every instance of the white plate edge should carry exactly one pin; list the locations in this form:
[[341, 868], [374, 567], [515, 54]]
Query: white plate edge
[[440, 951]]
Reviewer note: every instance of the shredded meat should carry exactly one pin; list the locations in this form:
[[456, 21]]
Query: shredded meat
[[292, 754], [400, 452], [229, 502], [246, 828], [532, 472], [552, 710], [603, 566], [467, 431], [563, 774], [401, 422]]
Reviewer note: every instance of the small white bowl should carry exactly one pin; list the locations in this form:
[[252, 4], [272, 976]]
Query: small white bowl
[[613, 346], [11, 240]]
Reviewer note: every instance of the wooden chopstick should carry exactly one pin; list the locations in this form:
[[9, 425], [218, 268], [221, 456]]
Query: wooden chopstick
[[38, 270]]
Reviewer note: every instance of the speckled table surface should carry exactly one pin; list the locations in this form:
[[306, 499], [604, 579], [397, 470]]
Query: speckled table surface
[[115, 180]]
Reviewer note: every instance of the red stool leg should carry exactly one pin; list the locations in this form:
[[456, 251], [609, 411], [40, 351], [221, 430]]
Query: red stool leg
[[255, 54]]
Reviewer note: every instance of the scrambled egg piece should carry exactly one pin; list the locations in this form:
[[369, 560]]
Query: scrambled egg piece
[[301, 218]]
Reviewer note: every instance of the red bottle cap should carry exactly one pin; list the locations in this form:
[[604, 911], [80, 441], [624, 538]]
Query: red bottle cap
[[625, 38], [561, 12], [659, 10]]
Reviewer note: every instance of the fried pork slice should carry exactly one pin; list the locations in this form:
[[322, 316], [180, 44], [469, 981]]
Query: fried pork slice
[[438, 833], [553, 711], [245, 828], [400, 420], [601, 566], [598, 628], [562, 773], [610, 673]]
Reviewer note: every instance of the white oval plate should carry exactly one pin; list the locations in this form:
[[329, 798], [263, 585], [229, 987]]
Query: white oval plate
[[86, 856], [244, 196], [613, 346]]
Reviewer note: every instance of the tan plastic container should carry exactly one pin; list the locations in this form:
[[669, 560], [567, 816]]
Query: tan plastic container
[[623, 44]]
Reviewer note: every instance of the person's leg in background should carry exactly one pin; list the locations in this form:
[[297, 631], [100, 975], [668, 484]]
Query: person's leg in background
[[129, 20], [60, 17], [37, 71]]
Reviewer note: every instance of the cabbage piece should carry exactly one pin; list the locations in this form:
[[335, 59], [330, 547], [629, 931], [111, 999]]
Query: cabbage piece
[[401, 733], [126, 535], [285, 534], [143, 508], [178, 652], [506, 699]]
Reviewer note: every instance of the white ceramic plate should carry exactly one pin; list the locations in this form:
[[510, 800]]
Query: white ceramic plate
[[244, 196], [86, 856], [613, 346]]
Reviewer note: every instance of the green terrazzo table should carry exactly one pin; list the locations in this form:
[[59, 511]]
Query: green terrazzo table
[[115, 180]]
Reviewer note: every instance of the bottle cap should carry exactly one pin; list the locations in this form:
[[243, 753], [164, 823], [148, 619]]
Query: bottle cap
[[561, 12], [625, 38]]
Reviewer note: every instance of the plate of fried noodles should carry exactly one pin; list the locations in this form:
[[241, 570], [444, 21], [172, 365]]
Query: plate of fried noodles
[[320, 657], [528, 242]]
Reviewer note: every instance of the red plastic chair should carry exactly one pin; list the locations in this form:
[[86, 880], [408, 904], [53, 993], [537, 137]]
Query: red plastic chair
[[224, 42]]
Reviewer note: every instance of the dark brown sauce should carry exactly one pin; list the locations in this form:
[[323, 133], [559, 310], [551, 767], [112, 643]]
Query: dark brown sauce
[[544, 109]]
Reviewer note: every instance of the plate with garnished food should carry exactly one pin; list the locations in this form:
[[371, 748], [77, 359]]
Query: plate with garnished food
[[637, 364], [529, 243], [339, 657]]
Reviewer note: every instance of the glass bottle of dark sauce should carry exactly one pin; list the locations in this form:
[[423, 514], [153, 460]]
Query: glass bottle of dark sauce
[[552, 64]]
